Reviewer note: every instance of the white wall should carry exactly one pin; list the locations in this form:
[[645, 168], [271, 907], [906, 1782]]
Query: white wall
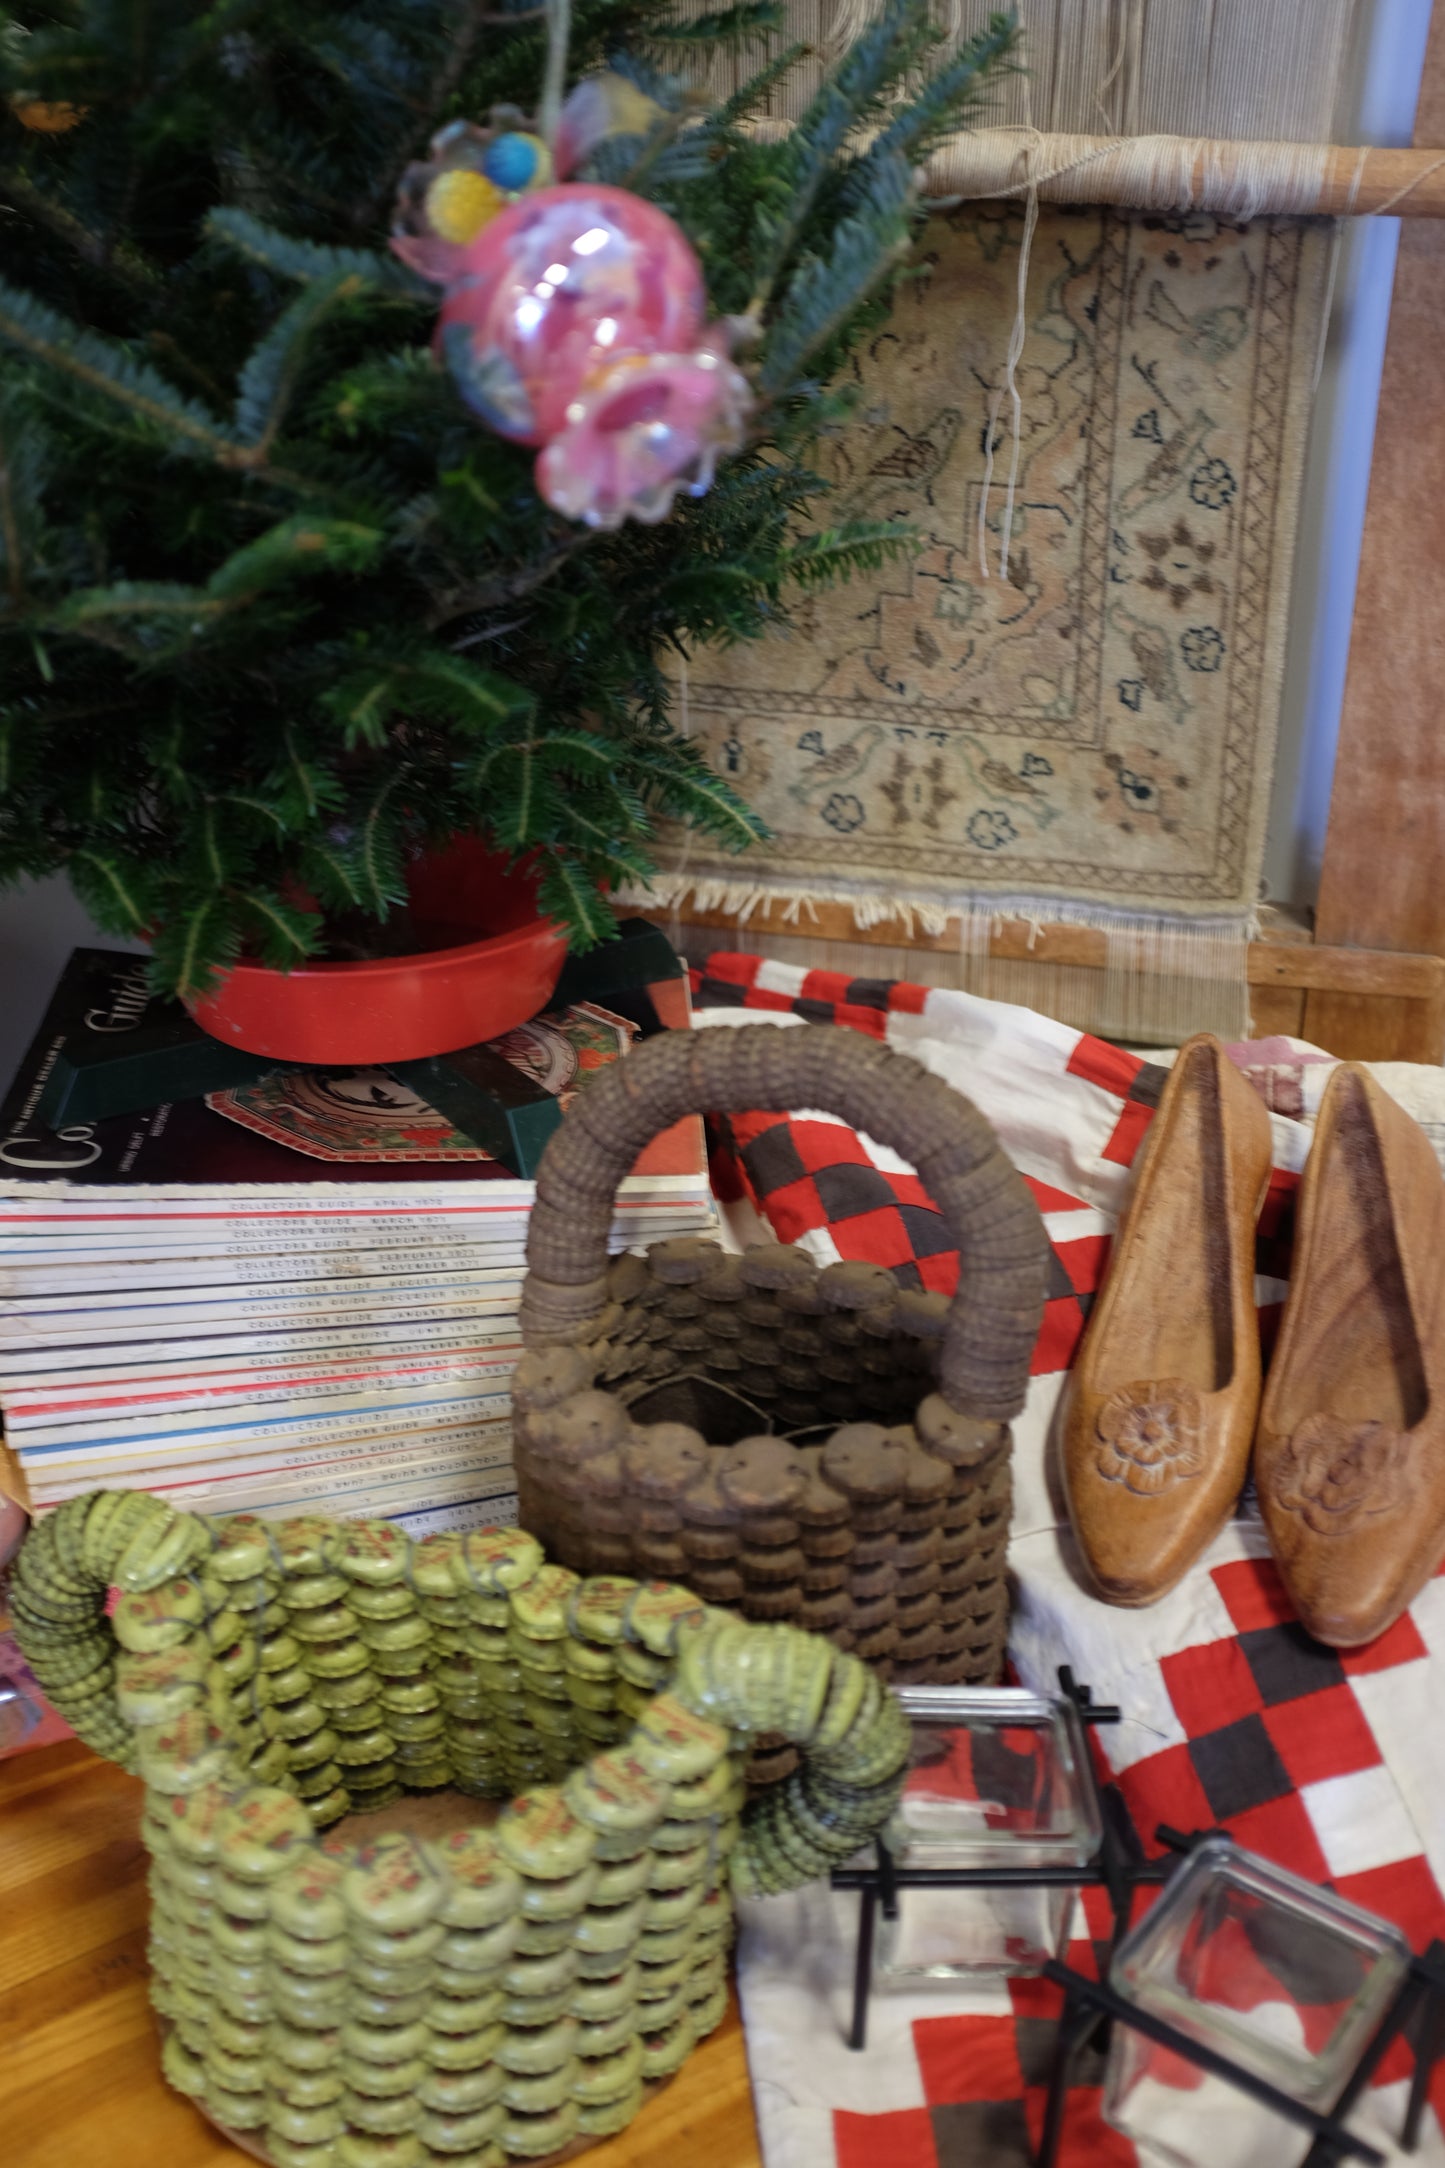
[[1381, 109], [40, 923]]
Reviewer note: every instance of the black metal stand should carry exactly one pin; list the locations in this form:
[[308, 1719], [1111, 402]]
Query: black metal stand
[[1119, 1867], [1091, 2006]]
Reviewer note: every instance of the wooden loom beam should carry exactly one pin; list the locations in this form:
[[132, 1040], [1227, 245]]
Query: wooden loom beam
[[1365, 181]]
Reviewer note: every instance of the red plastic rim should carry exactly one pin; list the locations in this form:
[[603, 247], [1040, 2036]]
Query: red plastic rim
[[401, 1008]]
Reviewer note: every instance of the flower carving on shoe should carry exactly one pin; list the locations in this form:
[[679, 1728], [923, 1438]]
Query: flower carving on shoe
[[1147, 1437], [1335, 1474]]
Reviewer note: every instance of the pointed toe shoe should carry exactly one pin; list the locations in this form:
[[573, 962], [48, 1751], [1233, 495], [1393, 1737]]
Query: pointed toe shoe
[[1350, 1454], [1158, 1417]]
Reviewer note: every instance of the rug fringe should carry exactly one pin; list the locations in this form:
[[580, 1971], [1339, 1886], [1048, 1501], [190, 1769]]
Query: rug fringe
[[1164, 976]]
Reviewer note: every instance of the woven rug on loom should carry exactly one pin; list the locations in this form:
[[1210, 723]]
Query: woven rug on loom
[[1328, 1762], [1087, 728]]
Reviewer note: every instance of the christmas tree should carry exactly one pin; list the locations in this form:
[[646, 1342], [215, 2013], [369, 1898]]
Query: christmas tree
[[275, 607]]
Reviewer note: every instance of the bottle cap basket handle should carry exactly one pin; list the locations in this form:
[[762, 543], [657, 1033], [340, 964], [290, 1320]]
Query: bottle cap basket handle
[[1003, 1251]]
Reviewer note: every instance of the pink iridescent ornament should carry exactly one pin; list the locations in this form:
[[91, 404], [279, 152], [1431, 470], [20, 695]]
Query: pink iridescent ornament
[[554, 290], [575, 321], [646, 429]]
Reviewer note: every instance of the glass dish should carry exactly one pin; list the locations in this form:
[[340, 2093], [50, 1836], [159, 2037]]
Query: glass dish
[[999, 1779], [1284, 1978]]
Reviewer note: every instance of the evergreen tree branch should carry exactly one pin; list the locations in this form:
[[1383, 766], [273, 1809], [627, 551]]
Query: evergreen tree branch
[[103, 365], [193, 950], [687, 788], [329, 876], [297, 548], [123, 263], [258, 806], [833, 553], [106, 367], [811, 151], [954, 91], [269, 379], [133, 602], [287, 935], [377, 859], [116, 891], [825, 292], [425, 684], [19, 493], [753, 95], [306, 262], [570, 895], [505, 587], [724, 30]]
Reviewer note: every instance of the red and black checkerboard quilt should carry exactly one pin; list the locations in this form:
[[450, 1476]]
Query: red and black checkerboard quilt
[[1332, 1763]]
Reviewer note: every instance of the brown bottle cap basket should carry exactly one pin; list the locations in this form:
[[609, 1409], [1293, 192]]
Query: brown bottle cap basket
[[817, 1445]]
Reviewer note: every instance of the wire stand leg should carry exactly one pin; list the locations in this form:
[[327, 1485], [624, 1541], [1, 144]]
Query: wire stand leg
[[863, 1968]]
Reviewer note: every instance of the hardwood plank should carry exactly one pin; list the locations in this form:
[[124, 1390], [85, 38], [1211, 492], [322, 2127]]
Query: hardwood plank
[[1380, 884], [80, 2078], [57, 1825], [1358, 1029], [1373, 973], [1276, 1011]]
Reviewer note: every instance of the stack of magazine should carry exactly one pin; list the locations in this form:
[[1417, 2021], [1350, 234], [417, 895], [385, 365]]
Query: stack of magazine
[[296, 1295]]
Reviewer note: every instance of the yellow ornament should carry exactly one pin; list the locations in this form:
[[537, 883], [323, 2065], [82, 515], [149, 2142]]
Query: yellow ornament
[[459, 203], [43, 118]]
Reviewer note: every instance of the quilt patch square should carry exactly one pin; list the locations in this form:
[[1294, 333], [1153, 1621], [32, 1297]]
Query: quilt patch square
[[1128, 1135], [1287, 1664], [867, 993], [1280, 1829], [882, 1238], [967, 2058], [902, 2138], [773, 1161], [846, 1191], [1107, 1066], [982, 2134], [710, 990], [1254, 1595], [1238, 1767], [1147, 1088], [1165, 1787], [927, 1231], [1035, 2041], [1087, 2141], [1210, 1686], [1085, 1260], [1403, 1890], [1322, 1735], [795, 1209], [1398, 1644], [1059, 1337], [1361, 1822]]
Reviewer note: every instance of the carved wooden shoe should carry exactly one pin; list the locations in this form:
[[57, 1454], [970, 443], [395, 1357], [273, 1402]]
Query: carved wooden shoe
[[1159, 1413], [1350, 1456]]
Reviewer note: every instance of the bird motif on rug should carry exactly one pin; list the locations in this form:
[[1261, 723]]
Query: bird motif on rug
[[840, 765]]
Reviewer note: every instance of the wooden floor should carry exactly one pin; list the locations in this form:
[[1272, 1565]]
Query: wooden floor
[[80, 2082]]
